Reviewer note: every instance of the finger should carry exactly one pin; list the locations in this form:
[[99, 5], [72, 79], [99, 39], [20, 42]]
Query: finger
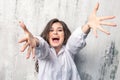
[[33, 53], [103, 30], [28, 52], [96, 8], [24, 47], [22, 40], [108, 23], [95, 33], [23, 26], [106, 17]]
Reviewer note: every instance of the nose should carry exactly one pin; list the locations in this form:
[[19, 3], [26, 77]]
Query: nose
[[55, 32]]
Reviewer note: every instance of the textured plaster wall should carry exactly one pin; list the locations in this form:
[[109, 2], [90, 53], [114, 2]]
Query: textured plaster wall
[[99, 60]]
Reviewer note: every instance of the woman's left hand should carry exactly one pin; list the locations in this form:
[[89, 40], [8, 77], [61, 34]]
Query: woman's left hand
[[95, 22]]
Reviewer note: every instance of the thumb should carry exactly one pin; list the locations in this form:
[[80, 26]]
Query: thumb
[[96, 8]]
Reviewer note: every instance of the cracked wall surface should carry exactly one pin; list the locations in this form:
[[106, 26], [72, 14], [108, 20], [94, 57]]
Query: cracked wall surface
[[99, 60]]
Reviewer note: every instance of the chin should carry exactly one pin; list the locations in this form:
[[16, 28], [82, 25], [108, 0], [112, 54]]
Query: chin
[[56, 46]]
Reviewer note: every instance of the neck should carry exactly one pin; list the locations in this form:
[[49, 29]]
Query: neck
[[57, 49]]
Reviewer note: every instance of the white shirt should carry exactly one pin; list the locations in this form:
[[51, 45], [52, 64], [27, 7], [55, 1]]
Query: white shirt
[[60, 66]]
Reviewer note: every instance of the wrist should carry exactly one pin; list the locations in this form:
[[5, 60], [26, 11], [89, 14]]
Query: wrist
[[86, 28], [37, 42]]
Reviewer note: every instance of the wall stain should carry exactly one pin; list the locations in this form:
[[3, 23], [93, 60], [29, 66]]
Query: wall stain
[[109, 66], [85, 76]]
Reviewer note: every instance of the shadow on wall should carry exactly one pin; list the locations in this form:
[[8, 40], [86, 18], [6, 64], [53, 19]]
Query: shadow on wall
[[109, 66], [85, 76]]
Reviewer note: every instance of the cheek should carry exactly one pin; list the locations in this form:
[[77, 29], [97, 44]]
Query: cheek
[[49, 35], [62, 37]]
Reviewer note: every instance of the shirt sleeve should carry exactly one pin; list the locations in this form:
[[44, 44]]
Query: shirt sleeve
[[42, 51], [76, 41]]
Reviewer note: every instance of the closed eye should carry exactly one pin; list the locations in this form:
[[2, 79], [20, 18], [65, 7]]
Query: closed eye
[[60, 30], [51, 30]]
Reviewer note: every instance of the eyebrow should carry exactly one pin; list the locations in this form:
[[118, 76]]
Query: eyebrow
[[58, 27]]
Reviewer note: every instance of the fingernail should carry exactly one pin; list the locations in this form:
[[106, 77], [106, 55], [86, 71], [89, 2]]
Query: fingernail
[[108, 33], [96, 36], [19, 21], [27, 57], [21, 50], [115, 25], [34, 57]]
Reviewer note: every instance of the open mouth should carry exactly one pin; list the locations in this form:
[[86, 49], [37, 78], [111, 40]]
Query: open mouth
[[55, 40]]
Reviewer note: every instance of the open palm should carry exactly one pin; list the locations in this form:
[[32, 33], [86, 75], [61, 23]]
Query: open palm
[[95, 22], [29, 40]]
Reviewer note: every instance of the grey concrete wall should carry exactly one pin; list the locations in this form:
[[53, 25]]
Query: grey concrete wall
[[99, 60]]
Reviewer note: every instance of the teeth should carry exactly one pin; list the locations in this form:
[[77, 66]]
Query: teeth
[[55, 39]]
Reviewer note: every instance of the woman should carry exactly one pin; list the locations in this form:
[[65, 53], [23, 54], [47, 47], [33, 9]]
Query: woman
[[55, 50]]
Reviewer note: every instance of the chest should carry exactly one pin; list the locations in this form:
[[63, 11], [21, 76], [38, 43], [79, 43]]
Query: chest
[[62, 61], [61, 66]]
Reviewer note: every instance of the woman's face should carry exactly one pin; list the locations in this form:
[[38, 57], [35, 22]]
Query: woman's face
[[56, 35]]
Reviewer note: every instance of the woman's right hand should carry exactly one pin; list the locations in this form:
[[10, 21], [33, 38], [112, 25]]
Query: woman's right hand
[[30, 41]]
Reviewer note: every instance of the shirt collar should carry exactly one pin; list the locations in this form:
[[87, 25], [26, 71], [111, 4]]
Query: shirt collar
[[60, 52]]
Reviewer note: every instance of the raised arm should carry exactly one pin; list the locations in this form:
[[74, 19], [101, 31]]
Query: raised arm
[[77, 39]]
